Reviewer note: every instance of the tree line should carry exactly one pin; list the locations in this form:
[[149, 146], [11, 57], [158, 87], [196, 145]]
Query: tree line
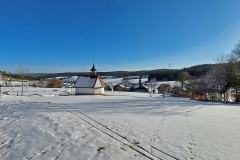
[[219, 82], [176, 74], [223, 80]]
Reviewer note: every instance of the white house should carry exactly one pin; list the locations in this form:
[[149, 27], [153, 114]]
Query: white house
[[91, 84]]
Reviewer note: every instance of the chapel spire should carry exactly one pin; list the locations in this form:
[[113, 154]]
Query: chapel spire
[[93, 70]]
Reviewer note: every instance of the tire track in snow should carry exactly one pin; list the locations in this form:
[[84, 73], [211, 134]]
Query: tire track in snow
[[45, 151], [142, 151], [4, 154], [136, 147], [4, 149], [59, 153]]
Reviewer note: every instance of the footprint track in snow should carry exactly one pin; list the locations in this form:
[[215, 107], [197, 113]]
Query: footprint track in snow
[[192, 145]]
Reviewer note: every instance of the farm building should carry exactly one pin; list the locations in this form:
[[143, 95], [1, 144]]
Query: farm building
[[139, 87], [164, 88], [120, 88], [91, 84]]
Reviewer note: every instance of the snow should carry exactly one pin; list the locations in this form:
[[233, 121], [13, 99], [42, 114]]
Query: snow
[[43, 125], [144, 80], [113, 80], [17, 83], [70, 79], [30, 91], [86, 82], [171, 83], [119, 80]]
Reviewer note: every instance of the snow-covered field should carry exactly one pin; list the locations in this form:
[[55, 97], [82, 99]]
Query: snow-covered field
[[136, 80], [119, 80], [118, 126]]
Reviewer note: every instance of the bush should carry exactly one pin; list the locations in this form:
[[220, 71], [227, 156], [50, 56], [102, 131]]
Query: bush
[[55, 84]]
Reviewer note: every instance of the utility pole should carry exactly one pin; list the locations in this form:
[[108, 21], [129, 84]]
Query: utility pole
[[169, 65]]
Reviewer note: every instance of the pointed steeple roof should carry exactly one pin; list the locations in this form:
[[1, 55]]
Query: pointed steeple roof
[[93, 68]]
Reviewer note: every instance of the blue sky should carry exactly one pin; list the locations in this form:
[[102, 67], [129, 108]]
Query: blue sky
[[65, 35]]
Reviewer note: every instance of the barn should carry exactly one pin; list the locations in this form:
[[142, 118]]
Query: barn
[[91, 84], [120, 88]]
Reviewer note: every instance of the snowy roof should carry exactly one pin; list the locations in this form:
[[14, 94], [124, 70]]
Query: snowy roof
[[88, 81], [73, 78], [120, 86]]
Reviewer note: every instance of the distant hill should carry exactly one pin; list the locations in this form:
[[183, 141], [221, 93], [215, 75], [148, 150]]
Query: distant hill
[[160, 74], [171, 75]]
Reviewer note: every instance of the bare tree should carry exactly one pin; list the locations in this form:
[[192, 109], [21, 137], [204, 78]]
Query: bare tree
[[151, 85], [236, 52], [5, 78], [233, 78], [182, 77], [198, 87], [21, 71], [41, 82], [222, 78], [111, 85], [216, 81], [233, 71], [226, 75]]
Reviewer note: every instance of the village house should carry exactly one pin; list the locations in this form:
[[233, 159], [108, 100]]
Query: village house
[[139, 87], [119, 87]]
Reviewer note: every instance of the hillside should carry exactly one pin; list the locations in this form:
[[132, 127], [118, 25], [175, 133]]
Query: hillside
[[168, 74]]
